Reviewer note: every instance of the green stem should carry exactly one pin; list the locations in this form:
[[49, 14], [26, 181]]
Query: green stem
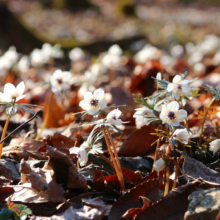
[[3, 135], [46, 117], [204, 118]]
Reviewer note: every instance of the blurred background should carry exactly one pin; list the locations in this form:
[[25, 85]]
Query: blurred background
[[95, 25]]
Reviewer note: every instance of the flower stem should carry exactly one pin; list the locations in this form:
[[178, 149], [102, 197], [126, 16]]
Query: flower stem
[[176, 172], [156, 153], [46, 117], [106, 159], [167, 173], [203, 121], [116, 155], [3, 135], [121, 181]]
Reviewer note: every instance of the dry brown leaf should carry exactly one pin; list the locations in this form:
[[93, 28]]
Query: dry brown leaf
[[42, 181], [92, 209]]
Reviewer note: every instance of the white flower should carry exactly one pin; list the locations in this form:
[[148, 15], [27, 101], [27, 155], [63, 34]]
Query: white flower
[[92, 103], [110, 60], [181, 135], [12, 94], [81, 154], [23, 64], [142, 114], [76, 54], [115, 50], [49, 51], [113, 117], [159, 165], [179, 87], [11, 54], [37, 58], [60, 81], [171, 114], [214, 146]]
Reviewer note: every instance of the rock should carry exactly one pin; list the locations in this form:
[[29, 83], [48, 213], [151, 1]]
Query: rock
[[8, 169], [204, 205]]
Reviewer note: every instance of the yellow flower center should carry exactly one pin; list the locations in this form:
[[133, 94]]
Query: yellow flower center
[[94, 103]]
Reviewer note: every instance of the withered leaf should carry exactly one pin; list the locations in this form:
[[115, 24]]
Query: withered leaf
[[92, 209], [131, 213], [171, 207], [131, 199], [42, 181], [138, 143], [193, 168], [65, 171]]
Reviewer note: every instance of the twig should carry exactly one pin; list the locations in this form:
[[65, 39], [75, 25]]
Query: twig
[[33, 117]]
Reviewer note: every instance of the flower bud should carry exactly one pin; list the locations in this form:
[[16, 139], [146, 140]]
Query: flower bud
[[159, 165]]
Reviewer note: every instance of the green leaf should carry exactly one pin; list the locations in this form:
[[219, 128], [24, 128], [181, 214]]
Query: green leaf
[[7, 214]]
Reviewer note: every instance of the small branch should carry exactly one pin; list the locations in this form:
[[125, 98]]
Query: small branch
[[20, 126], [106, 159], [176, 172]]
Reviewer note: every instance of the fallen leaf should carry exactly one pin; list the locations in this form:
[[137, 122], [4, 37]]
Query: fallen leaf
[[8, 170], [130, 200], [5, 192], [138, 143], [92, 209], [65, 171], [131, 213], [42, 181], [171, 207], [195, 169]]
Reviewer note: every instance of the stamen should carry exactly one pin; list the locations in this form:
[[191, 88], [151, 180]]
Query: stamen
[[179, 86], [94, 102], [60, 81], [171, 115]]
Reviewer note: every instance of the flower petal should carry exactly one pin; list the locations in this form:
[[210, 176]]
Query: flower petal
[[9, 89], [176, 79], [20, 88], [20, 97], [182, 114], [88, 95], [170, 87], [99, 93], [74, 150], [103, 104], [174, 106]]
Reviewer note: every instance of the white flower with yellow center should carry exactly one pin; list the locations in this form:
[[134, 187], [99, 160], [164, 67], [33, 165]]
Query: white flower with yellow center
[[179, 87], [12, 93], [60, 81], [214, 146], [143, 114], [171, 114], [181, 135], [92, 103]]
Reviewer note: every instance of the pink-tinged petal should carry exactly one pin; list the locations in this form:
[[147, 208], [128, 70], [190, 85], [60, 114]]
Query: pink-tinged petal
[[103, 104], [99, 93], [173, 106], [92, 111], [20, 88], [170, 87], [88, 95], [176, 79], [9, 89], [182, 114]]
